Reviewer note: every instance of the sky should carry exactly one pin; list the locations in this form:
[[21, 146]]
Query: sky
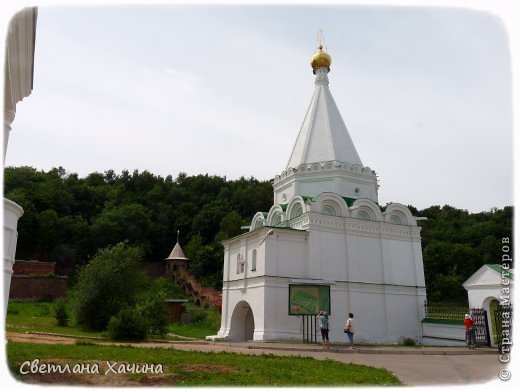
[[425, 92]]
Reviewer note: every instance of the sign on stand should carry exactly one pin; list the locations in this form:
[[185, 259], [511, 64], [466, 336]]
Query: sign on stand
[[307, 300]]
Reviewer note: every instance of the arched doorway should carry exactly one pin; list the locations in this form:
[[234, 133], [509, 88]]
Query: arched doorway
[[242, 325], [492, 306]]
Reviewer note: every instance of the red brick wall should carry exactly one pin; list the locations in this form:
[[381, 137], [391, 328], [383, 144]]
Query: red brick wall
[[35, 287], [23, 267]]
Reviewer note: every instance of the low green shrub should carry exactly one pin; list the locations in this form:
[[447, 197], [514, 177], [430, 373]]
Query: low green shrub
[[198, 316], [155, 313], [409, 342], [60, 312], [128, 324]]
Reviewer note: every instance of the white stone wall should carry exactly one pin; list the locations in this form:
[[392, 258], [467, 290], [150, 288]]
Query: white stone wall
[[382, 315], [487, 284], [481, 297], [353, 181], [374, 268], [443, 334]]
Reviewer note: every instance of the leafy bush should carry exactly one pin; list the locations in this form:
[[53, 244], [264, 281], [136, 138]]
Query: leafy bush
[[206, 317], [153, 309], [128, 324], [409, 342], [60, 312], [110, 281], [199, 316]]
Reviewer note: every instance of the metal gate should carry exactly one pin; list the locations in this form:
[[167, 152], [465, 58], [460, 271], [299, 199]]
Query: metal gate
[[481, 326], [503, 318], [309, 328]]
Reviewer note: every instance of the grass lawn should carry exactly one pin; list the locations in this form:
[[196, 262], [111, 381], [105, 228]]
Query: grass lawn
[[205, 323], [39, 317], [193, 368], [195, 330]]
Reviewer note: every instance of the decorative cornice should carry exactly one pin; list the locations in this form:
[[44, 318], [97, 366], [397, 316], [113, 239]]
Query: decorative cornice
[[352, 225], [327, 167], [284, 281]]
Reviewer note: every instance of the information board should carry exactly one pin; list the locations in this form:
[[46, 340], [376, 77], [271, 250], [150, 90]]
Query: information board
[[305, 299]]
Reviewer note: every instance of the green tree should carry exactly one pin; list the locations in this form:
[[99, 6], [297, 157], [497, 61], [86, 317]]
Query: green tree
[[130, 222], [230, 226], [109, 282], [152, 307], [206, 261]]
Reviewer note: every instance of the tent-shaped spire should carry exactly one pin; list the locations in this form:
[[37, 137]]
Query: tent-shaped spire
[[177, 253], [323, 135]]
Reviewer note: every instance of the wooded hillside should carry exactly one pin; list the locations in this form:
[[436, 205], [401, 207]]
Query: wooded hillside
[[68, 218]]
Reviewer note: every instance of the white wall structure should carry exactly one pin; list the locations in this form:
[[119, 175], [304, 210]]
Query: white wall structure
[[491, 282], [443, 333], [18, 84], [326, 228]]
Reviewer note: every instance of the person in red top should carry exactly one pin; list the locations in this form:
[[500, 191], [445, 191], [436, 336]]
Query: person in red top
[[470, 330]]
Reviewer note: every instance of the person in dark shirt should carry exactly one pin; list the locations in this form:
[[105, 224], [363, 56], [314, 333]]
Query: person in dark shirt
[[323, 319]]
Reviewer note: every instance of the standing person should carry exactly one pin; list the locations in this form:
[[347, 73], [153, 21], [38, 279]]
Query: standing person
[[469, 323], [350, 329], [323, 318]]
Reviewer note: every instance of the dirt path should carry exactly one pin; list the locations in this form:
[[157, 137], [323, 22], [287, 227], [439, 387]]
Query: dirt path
[[39, 338]]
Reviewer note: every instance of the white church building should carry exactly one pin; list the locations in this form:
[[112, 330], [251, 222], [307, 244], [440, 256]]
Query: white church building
[[325, 244]]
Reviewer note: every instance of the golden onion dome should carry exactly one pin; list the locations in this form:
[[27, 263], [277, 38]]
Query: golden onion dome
[[321, 59]]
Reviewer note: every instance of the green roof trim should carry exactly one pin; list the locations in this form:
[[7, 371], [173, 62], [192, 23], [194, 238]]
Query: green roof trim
[[497, 267], [349, 201], [442, 321]]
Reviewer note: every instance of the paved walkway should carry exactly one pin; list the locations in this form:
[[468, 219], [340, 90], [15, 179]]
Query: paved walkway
[[412, 365]]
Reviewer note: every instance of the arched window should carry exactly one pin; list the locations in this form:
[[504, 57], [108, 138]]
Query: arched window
[[329, 210], [296, 211], [364, 215], [277, 219], [259, 223], [395, 219], [253, 261]]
